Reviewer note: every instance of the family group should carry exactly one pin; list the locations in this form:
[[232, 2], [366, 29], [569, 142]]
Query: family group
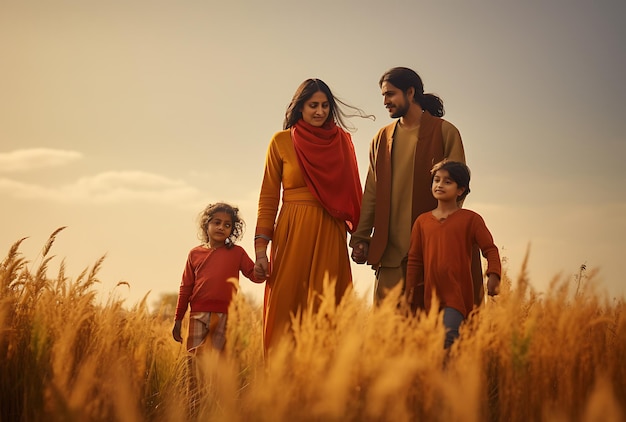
[[407, 222]]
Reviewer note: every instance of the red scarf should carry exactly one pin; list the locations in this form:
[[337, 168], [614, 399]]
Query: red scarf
[[328, 163]]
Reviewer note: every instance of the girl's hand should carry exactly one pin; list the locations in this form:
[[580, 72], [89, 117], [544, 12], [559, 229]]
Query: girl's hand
[[176, 331], [493, 284], [261, 268]]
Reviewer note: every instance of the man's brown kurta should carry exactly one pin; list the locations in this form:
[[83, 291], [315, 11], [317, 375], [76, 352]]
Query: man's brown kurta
[[437, 139]]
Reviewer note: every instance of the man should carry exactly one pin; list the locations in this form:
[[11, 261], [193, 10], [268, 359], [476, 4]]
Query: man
[[397, 188]]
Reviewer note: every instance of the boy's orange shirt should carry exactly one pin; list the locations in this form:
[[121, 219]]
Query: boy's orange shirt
[[440, 257]]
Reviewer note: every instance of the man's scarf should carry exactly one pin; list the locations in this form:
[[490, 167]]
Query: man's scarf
[[328, 163]]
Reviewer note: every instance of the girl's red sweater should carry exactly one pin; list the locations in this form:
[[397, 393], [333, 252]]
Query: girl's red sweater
[[206, 284]]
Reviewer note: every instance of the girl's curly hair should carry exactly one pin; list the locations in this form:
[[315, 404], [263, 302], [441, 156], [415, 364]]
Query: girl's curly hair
[[209, 212]]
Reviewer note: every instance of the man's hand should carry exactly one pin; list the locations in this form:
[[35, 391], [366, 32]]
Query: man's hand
[[359, 252]]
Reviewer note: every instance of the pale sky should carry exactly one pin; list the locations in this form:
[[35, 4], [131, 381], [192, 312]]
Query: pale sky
[[123, 119]]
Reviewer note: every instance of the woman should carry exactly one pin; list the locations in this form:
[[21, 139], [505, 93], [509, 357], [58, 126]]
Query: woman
[[313, 161]]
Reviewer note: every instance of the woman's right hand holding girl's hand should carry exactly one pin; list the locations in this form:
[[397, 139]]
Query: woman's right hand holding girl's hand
[[261, 267]]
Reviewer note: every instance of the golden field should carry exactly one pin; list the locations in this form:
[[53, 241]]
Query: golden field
[[555, 356]]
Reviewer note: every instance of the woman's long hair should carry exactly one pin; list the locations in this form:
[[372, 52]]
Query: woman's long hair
[[306, 90]]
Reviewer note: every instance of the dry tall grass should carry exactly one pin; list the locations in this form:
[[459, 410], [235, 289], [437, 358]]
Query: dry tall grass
[[559, 356]]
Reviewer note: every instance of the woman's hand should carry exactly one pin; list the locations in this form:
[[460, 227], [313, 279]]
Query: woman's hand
[[261, 268]]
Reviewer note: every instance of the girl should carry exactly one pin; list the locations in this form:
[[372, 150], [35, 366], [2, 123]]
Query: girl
[[440, 253], [312, 162], [207, 284]]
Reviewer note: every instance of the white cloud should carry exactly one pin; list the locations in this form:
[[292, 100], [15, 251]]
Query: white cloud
[[29, 159], [17, 189], [108, 187]]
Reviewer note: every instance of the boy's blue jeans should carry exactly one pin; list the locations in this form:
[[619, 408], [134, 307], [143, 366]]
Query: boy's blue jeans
[[452, 320]]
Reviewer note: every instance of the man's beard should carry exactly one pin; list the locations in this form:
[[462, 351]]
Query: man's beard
[[400, 111]]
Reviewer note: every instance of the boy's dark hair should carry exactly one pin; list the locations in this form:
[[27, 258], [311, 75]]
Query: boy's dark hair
[[458, 171], [209, 212]]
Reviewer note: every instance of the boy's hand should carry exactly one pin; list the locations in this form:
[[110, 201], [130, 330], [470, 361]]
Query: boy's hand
[[176, 331], [493, 284], [408, 295]]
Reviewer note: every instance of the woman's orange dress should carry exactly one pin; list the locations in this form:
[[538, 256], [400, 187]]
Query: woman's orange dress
[[308, 244]]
